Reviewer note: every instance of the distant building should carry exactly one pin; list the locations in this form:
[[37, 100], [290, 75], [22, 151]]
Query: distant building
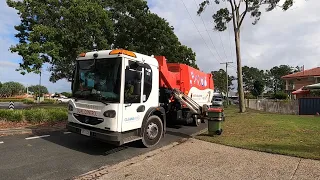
[[296, 82]]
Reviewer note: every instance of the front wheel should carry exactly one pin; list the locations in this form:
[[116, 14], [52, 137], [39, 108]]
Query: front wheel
[[152, 131]]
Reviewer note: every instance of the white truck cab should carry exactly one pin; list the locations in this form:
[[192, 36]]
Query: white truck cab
[[116, 98]]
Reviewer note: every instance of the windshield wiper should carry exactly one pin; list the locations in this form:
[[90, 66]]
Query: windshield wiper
[[99, 97]]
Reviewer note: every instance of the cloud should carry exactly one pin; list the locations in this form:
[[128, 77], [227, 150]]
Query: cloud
[[290, 37], [6, 64]]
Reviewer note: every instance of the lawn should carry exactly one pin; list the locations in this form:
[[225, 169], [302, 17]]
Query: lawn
[[282, 134]]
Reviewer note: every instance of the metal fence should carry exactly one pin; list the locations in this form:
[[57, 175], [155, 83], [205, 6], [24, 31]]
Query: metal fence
[[309, 106]]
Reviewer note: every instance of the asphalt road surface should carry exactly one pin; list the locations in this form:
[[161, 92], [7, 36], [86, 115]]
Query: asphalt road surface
[[17, 105], [63, 155]]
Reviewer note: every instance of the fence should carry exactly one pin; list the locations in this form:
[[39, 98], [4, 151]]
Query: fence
[[274, 106], [309, 106]]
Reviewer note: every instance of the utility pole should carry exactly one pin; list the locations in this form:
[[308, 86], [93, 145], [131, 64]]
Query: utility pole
[[227, 83], [39, 87]]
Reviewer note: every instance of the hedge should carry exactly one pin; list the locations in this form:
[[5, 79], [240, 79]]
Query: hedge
[[34, 116], [11, 99], [29, 101]]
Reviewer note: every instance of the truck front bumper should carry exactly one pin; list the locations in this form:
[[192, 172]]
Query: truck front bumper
[[115, 138]]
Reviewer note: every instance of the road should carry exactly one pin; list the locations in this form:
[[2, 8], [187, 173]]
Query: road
[[17, 105], [63, 155]]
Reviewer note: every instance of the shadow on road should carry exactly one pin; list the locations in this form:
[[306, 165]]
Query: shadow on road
[[180, 134], [86, 145], [92, 146]]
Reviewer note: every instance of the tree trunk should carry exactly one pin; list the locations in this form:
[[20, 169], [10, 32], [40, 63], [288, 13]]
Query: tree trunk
[[239, 69]]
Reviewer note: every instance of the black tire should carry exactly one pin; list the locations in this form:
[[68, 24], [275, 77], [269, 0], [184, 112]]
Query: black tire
[[219, 132], [196, 121], [152, 138]]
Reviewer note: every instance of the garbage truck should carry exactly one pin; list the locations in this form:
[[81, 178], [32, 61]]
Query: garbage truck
[[120, 96]]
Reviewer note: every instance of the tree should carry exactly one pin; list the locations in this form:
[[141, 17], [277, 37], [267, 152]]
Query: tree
[[35, 89], [274, 75], [251, 75], [137, 29], [258, 87], [224, 16], [55, 32], [219, 79], [5, 91], [12, 88]]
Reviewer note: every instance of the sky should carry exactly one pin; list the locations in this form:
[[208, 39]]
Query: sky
[[291, 38]]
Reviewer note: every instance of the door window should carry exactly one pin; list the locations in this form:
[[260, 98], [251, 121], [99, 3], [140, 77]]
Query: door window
[[132, 90], [147, 84]]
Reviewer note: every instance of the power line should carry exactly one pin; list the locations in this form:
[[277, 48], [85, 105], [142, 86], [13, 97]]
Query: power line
[[229, 35], [209, 34], [198, 30], [213, 9]]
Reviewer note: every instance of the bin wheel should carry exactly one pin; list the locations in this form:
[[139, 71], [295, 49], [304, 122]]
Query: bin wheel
[[219, 132]]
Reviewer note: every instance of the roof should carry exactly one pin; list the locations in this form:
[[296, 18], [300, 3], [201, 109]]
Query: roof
[[306, 73]]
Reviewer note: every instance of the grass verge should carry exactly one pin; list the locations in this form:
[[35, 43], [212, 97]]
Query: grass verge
[[274, 133]]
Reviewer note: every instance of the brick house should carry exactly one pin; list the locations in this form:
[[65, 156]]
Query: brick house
[[296, 81]]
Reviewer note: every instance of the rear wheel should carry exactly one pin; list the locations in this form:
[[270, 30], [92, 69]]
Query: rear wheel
[[152, 131]]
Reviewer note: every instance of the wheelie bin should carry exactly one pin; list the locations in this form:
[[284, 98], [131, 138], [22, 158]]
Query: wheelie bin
[[216, 116]]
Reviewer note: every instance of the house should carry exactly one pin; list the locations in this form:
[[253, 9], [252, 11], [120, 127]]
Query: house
[[296, 82]]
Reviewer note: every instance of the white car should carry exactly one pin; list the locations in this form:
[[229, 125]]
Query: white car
[[217, 102], [63, 99]]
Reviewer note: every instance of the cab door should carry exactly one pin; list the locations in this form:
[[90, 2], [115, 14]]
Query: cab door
[[133, 108]]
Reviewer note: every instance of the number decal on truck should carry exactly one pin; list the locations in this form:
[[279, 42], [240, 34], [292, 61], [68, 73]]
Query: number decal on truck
[[87, 112]]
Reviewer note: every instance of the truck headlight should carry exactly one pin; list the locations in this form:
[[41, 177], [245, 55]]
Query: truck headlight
[[70, 107], [110, 113]]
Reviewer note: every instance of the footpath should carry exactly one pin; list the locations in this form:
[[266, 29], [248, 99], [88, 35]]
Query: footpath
[[195, 159]]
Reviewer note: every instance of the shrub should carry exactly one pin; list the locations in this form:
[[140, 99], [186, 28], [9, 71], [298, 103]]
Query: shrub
[[36, 115], [39, 115], [48, 101], [11, 99], [11, 115], [57, 114], [28, 101], [280, 95], [249, 96]]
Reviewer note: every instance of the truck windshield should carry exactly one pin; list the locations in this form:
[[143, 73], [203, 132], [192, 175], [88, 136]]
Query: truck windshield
[[98, 80]]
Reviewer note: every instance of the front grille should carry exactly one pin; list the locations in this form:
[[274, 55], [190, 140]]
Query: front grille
[[88, 119], [89, 106]]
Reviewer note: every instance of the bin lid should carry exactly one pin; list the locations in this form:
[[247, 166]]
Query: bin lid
[[218, 110]]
